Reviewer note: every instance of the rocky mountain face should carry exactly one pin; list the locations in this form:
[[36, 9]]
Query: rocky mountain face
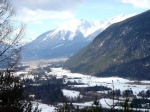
[[67, 39], [122, 49]]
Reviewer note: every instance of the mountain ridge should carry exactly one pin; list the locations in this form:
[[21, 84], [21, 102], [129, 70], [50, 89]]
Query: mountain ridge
[[66, 39], [117, 47]]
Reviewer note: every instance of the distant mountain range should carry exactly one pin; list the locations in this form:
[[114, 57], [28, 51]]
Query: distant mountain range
[[67, 39], [122, 49]]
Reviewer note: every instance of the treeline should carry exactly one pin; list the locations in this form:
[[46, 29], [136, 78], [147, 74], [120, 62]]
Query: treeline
[[86, 89], [96, 106], [45, 93], [39, 80]]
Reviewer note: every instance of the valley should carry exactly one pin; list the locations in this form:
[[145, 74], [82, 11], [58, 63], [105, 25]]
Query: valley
[[80, 90], [85, 66], [74, 56]]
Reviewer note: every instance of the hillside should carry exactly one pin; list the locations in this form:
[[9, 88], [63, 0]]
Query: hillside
[[123, 49]]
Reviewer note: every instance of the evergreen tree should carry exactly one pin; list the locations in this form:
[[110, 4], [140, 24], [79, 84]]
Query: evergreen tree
[[11, 95], [97, 106]]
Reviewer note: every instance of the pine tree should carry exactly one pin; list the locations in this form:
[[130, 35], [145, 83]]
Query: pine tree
[[97, 106]]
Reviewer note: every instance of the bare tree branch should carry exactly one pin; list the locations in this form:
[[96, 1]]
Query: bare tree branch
[[10, 35]]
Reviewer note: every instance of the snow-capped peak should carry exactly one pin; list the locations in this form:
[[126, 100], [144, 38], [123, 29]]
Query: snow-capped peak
[[73, 26], [120, 17], [84, 27]]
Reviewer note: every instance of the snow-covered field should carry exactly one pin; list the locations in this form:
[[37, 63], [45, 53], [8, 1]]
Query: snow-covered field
[[70, 93], [102, 101], [24, 74], [89, 81], [44, 107], [119, 83]]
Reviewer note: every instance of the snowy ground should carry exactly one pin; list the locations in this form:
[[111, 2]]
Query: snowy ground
[[24, 74], [119, 83], [103, 102], [44, 107], [70, 93], [89, 81]]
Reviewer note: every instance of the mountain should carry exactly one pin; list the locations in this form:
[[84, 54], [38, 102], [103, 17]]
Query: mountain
[[66, 39], [122, 49]]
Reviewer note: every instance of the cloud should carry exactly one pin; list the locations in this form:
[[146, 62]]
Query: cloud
[[138, 3], [36, 17], [52, 5], [35, 11]]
